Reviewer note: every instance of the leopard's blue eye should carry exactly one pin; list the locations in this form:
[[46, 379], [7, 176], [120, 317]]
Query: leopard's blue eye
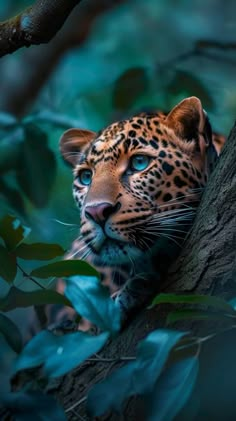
[[85, 177], [139, 162]]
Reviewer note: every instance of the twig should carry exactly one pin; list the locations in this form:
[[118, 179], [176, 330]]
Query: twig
[[26, 275], [111, 360], [200, 50], [204, 43], [79, 417], [76, 404]]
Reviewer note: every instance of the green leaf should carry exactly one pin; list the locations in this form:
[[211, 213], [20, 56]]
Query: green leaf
[[39, 251], [17, 298], [132, 84], [92, 300], [172, 390], [8, 266], [59, 354], [65, 268], [188, 84], [12, 231], [37, 166], [208, 300], [11, 333], [31, 405], [178, 315], [137, 377]]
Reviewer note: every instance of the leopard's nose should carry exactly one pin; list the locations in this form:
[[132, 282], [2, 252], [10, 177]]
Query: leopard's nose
[[100, 212]]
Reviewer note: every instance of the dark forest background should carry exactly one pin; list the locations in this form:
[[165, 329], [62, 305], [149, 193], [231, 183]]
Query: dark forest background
[[107, 62]]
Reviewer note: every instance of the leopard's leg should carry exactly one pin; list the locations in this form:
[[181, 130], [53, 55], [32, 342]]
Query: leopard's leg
[[136, 294]]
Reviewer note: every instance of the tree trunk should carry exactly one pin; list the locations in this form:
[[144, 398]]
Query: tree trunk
[[206, 265]]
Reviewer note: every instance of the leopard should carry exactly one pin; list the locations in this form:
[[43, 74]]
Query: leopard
[[137, 185]]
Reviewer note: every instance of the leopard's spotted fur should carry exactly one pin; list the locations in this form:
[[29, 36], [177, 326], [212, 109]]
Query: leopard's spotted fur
[[133, 222]]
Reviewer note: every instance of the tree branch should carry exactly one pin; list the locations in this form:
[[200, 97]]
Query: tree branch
[[37, 24], [36, 64], [219, 45]]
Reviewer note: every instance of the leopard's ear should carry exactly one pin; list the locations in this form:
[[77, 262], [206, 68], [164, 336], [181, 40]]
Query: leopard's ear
[[189, 120], [72, 142]]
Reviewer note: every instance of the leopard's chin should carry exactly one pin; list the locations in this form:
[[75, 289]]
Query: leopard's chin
[[113, 253]]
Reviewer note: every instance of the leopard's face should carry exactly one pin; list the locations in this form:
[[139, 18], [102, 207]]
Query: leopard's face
[[137, 184]]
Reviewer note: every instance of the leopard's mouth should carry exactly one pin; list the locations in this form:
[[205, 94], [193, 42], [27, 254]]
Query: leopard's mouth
[[114, 252]]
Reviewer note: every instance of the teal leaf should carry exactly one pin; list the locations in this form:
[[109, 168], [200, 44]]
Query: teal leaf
[[137, 377], [31, 405], [12, 231], [152, 354], [208, 300], [8, 266], [112, 393], [129, 87], [17, 298], [92, 301], [39, 251], [172, 390], [59, 354], [65, 268], [37, 166], [11, 333]]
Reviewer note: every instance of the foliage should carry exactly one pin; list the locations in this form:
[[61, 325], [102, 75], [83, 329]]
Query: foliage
[[25, 406], [16, 298], [136, 378], [12, 250], [59, 354], [31, 159], [172, 390], [137, 79], [64, 268], [11, 333], [165, 369]]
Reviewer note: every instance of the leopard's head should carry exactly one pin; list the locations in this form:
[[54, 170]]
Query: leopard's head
[[138, 181]]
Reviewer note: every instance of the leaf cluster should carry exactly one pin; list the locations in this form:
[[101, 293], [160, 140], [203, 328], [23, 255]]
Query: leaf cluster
[[27, 164], [164, 370]]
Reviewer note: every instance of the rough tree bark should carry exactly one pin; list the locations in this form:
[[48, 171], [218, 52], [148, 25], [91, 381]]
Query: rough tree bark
[[206, 265]]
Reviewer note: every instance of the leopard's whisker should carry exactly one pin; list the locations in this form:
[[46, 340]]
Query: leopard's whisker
[[65, 223]]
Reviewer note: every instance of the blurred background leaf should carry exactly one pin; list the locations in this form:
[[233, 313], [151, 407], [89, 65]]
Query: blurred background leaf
[[7, 265], [129, 87], [36, 167], [187, 84], [11, 333]]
